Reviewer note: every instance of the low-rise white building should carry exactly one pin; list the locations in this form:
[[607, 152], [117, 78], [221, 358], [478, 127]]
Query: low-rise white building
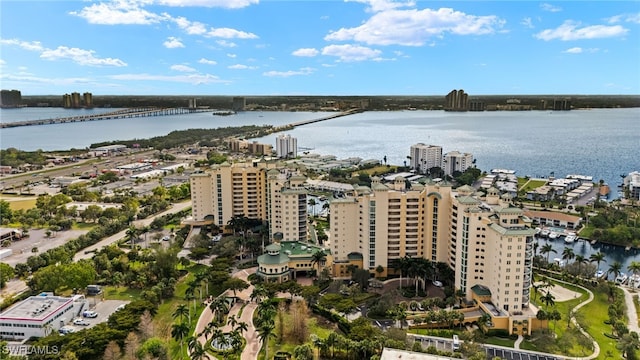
[[39, 316]]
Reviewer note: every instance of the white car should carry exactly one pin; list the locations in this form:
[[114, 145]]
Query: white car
[[437, 283], [80, 321], [90, 314]]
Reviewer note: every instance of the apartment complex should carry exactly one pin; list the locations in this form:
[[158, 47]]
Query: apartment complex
[[456, 161], [286, 146], [485, 240], [424, 157], [256, 190]]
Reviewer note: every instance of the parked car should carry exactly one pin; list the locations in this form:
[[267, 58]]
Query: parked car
[[437, 283], [80, 321], [90, 314]]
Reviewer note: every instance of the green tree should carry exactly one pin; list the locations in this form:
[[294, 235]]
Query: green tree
[[6, 273], [181, 312], [179, 332], [615, 269], [266, 332], [235, 284], [547, 249], [597, 258]]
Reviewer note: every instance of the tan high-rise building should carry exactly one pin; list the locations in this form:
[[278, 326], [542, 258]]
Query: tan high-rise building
[[487, 242], [456, 161], [255, 190]]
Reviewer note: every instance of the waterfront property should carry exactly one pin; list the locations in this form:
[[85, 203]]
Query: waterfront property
[[256, 190], [486, 240], [40, 315]]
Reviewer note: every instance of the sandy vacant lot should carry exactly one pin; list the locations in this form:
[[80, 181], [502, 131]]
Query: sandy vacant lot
[[560, 293]]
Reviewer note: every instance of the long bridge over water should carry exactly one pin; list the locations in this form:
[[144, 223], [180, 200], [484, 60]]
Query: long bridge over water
[[119, 114], [155, 111]]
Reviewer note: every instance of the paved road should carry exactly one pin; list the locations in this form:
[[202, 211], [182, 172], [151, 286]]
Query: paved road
[[18, 286], [87, 253], [631, 311], [252, 348]]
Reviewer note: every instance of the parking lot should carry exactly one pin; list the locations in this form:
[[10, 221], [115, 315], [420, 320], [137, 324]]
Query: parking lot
[[104, 308]]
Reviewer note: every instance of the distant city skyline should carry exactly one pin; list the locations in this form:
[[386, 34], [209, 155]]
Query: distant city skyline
[[353, 47]]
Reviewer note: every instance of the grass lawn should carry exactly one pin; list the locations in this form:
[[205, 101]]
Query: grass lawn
[[19, 202], [83, 226], [378, 170], [595, 314], [120, 293], [532, 184], [493, 340]]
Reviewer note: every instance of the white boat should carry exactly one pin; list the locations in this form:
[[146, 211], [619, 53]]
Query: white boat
[[599, 274], [634, 280], [559, 262], [622, 278], [538, 230], [544, 233], [570, 238], [553, 235]]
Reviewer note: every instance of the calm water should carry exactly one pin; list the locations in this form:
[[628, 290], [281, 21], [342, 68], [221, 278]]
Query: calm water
[[612, 253], [603, 143]]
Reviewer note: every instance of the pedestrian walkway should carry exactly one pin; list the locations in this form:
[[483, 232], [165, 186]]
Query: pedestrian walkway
[[516, 345], [252, 347], [631, 310]]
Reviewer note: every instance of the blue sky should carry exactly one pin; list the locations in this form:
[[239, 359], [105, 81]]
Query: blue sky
[[306, 47]]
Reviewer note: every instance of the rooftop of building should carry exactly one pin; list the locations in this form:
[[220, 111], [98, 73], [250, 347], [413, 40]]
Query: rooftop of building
[[397, 354], [296, 248], [36, 308]]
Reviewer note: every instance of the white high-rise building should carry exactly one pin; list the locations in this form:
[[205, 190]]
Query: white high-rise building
[[425, 157], [455, 161], [286, 146]]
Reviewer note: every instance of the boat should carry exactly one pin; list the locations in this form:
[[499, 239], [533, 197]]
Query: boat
[[599, 274], [559, 262], [538, 230], [544, 233], [570, 238], [621, 279], [553, 235], [634, 280]]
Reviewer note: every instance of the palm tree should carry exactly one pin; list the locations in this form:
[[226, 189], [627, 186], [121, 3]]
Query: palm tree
[[634, 267], [265, 332], [547, 249], [198, 352], [312, 203], [208, 330], [182, 311], [597, 258], [242, 327], [258, 293], [568, 254], [402, 264], [548, 299], [331, 341], [178, 332], [615, 269], [317, 258]]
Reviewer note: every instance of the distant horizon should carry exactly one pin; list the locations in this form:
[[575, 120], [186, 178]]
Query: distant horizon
[[328, 95], [312, 48]]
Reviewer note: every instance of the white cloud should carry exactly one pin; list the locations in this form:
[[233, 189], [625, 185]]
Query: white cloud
[[190, 27], [118, 12], [550, 8], [350, 53], [302, 71], [80, 56], [2, 62], [383, 5], [47, 80], [632, 18], [195, 79], [305, 52], [225, 43], [573, 50], [414, 27], [228, 33], [182, 68], [172, 43], [579, 50], [228, 4], [207, 61], [570, 30], [527, 22], [26, 45], [233, 56], [242, 67]]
